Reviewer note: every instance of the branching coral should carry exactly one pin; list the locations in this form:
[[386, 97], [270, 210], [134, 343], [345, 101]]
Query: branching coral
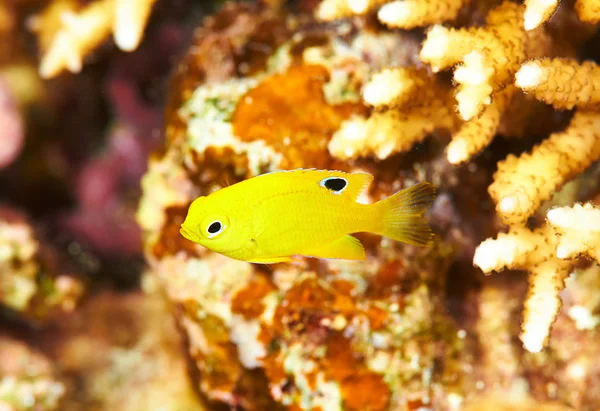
[[538, 12], [534, 251], [489, 56], [522, 183], [68, 35], [564, 83], [406, 14], [579, 230], [418, 104]]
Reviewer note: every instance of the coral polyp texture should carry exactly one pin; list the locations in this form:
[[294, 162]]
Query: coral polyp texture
[[68, 31]]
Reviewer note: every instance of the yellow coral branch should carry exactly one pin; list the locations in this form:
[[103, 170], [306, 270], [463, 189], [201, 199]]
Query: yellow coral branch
[[522, 184], [538, 12], [68, 35], [476, 134], [546, 281], [81, 33], [388, 132], [588, 10], [579, 230], [564, 83], [336, 9], [130, 21], [397, 86], [419, 106], [490, 56], [522, 248], [408, 14]]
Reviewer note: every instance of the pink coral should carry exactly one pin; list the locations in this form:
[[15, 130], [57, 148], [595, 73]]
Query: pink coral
[[12, 126]]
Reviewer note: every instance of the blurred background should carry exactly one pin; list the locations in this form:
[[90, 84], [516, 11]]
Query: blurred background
[[116, 114]]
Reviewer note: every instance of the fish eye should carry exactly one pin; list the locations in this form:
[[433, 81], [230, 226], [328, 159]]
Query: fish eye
[[214, 228], [334, 184]]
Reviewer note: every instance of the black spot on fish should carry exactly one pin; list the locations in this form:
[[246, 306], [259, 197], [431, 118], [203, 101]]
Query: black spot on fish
[[335, 184]]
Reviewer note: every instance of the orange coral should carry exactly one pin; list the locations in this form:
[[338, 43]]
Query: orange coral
[[289, 112]]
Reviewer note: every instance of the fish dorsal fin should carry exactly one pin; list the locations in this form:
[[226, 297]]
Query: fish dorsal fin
[[349, 185], [346, 247]]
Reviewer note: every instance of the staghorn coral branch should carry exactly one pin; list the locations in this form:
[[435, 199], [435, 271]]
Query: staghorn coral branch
[[476, 134], [337, 9], [391, 131], [81, 32], [517, 249], [396, 87], [78, 33], [408, 14], [564, 83], [130, 21], [489, 55], [579, 230], [523, 249], [538, 12], [522, 184], [546, 281], [418, 103]]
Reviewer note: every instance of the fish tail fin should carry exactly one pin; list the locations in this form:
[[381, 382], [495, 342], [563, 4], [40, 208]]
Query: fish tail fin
[[402, 214]]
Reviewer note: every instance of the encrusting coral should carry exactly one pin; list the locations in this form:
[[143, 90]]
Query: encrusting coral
[[28, 379], [69, 33], [31, 281], [328, 334]]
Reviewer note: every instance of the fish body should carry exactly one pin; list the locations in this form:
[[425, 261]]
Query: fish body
[[274, 216]]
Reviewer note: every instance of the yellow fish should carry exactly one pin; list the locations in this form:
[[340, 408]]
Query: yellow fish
[[274, 216]]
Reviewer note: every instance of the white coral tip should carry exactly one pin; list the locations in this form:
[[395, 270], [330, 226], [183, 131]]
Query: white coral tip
[[529, 75]]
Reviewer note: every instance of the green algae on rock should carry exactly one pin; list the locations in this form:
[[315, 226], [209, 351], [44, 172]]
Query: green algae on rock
[[31, 281]]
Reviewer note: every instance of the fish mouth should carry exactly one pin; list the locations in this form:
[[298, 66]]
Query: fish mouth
[[187, 233]]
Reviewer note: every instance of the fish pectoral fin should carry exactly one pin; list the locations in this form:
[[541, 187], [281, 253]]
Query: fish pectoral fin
[[346, 247], [271, 260]]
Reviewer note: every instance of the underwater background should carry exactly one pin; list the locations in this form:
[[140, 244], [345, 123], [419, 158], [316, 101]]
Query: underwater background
[[116, 114]]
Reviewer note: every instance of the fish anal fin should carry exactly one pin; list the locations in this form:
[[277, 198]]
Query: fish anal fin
[[271, 260], [346, 247]]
